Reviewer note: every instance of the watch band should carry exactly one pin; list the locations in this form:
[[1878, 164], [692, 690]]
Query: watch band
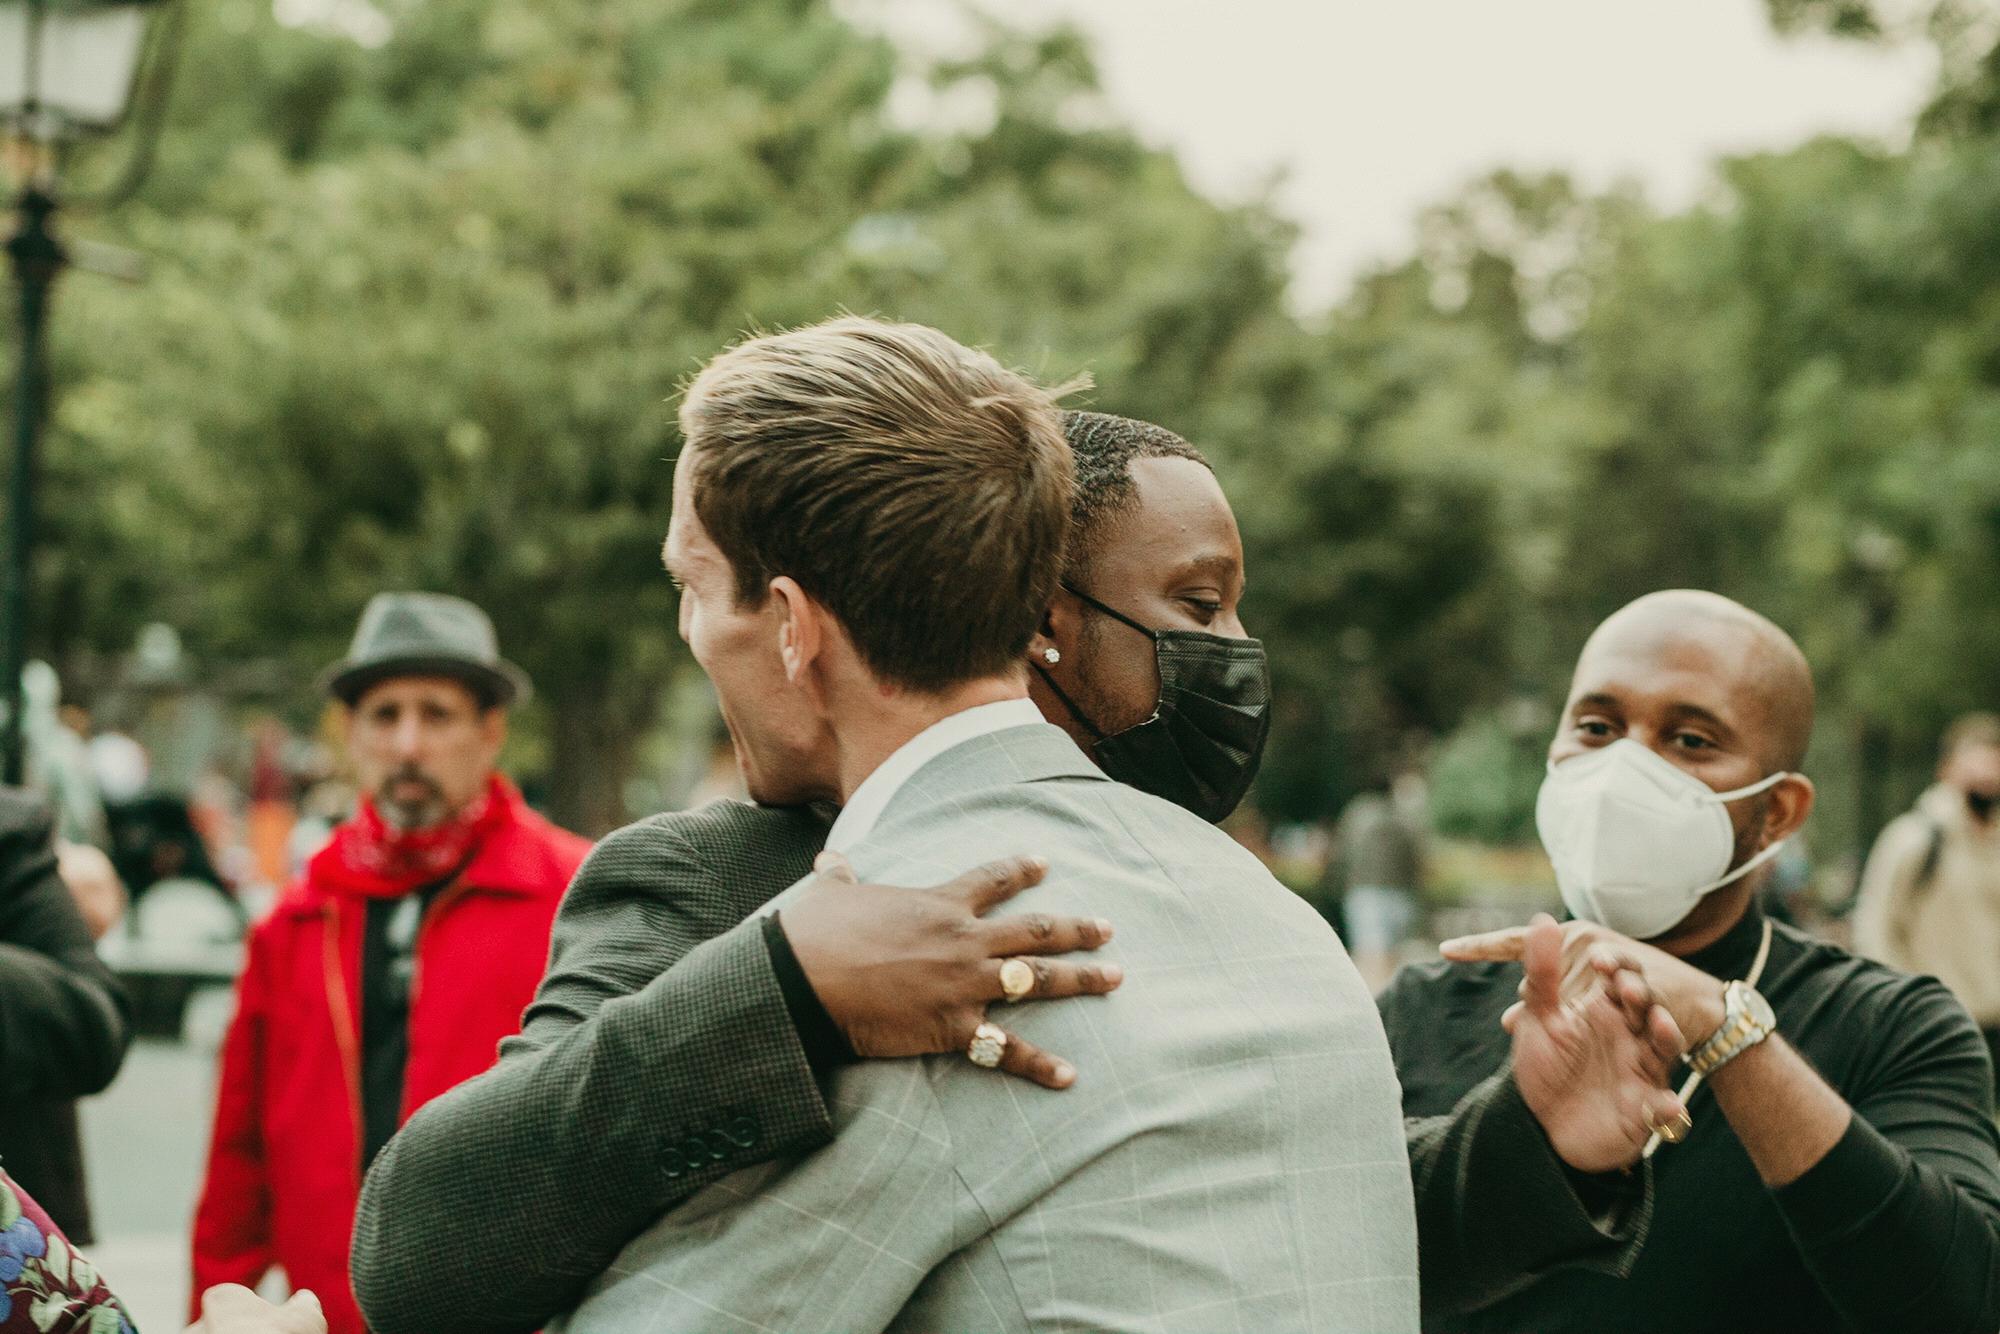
[[1747, 1019]]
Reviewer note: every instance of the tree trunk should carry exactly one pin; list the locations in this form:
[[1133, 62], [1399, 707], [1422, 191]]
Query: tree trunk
[[595, 738]]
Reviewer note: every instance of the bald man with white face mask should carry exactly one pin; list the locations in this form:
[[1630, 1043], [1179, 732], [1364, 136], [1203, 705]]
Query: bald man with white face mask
[[1839, 1169]]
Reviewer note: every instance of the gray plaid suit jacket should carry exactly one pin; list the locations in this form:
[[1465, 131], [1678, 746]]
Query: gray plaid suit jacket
[[1230, 1158]]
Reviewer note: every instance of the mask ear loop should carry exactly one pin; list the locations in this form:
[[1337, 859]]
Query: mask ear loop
[[1761, 785], [1746, 868], [1097, 733], [1724, 798], [1112, 612]]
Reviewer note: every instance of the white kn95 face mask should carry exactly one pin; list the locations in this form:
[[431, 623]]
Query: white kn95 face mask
[[1636, 841]]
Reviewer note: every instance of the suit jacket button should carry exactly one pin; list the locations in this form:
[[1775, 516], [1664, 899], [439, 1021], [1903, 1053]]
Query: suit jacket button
[[672, 1163], [742, 1132]]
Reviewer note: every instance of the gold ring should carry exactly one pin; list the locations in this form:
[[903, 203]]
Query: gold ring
[[1017, 979], [1674, 1131], [988, 1045]]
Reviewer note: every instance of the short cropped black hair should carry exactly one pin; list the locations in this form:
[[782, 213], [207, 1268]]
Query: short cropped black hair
[[1105, 447]]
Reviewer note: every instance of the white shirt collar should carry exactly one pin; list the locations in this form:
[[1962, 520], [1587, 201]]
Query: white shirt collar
[[857, 818]]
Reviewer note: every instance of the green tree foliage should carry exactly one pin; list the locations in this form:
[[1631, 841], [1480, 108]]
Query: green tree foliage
[[417, 312]]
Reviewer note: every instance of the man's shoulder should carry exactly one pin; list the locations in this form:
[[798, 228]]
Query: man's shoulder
[[1115, 827], [1871, 1028], [1825, 973], [721, 829], [1909, 833], [757, 849]]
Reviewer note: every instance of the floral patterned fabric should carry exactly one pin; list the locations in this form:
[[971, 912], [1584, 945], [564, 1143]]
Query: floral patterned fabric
[[46, 1287]]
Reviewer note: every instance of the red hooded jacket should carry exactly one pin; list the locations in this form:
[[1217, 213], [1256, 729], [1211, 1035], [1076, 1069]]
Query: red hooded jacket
[[284, 1166]]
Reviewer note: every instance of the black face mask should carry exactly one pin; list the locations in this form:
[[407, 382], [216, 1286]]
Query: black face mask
[[1201, 747], [1982, 804]]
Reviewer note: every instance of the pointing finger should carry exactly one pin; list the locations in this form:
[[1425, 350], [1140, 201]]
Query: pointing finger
[[1490, 945]]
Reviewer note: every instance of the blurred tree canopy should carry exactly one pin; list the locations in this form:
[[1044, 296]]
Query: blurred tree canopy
[[417, 312]]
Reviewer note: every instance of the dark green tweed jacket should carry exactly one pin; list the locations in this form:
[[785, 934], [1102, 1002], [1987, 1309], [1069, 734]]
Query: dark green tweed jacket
[[658, 1056]]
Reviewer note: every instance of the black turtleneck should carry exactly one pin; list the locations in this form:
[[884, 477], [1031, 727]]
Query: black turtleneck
[[1896, 1230]]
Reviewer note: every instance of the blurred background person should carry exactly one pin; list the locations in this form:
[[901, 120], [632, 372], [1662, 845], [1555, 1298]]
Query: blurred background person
[[392, 969], [64, 1021], [1377, 873], [116, 759], [58, 759], [1930, 894], [272, 800]]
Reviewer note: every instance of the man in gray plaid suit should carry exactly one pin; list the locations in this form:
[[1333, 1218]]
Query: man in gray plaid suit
[[868, 524]]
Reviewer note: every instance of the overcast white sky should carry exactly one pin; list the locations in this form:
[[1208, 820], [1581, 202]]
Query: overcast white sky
[[1378, 107]]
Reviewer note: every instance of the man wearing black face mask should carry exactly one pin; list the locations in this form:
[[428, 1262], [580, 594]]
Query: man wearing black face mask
[[1930, 896], [1142, 659]]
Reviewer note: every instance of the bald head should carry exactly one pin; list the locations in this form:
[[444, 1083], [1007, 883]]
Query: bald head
[[1698, 653]]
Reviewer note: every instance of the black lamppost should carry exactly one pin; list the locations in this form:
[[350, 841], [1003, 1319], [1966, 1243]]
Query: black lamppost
[[70, 70]]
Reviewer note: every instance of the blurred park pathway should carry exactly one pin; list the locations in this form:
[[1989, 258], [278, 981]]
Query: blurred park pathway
[[145, 1139]]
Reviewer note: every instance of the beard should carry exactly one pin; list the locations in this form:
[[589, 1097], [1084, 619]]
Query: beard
[[410, 800], [1102, 705]]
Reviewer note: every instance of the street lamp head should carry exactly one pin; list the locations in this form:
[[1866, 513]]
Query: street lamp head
[[68, 67]]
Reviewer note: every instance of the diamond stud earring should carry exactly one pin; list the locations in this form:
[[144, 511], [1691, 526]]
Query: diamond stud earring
[[1051, 656]]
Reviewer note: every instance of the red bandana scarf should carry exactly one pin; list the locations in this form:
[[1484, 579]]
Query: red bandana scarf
[[370, 856]]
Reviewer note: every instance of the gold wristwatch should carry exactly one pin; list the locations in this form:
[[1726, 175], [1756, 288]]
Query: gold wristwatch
[[1747, 1019]]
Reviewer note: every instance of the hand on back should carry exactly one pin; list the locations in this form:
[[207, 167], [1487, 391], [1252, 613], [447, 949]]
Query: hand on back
[[910, 972]]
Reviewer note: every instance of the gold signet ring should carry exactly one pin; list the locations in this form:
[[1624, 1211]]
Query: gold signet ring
[[1017, 979]]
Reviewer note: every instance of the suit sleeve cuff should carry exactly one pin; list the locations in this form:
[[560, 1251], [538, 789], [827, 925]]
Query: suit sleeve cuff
[[826, 1047]]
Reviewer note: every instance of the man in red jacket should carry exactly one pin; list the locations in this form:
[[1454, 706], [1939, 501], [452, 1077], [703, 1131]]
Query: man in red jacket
[[392, 969]]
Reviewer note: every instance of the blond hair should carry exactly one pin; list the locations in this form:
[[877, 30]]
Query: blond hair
[[913, 486]]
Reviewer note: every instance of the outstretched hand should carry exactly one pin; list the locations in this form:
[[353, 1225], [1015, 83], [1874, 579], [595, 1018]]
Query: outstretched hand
[[1592, 953], [910, 972], [1592, 1068]]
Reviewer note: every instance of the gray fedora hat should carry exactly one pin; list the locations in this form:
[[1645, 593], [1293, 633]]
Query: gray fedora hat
[[425, 634]]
